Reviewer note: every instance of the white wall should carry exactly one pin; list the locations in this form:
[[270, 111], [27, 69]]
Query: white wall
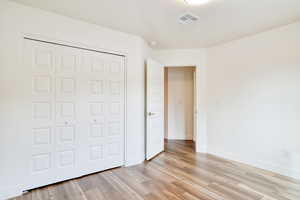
[[190, 57], [17, 20], [252, 87], [180, 103], [254, 100]]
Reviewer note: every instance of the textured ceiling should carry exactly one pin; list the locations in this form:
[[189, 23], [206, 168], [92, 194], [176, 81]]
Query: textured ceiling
[[157, 20]]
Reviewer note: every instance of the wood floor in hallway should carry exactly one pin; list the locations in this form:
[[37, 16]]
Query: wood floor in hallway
[[176, 174]]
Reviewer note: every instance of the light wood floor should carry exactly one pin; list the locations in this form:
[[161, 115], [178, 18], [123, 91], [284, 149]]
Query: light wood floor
[[176, 174]]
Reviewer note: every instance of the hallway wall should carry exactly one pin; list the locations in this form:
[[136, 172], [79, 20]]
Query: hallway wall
[[180, 103]]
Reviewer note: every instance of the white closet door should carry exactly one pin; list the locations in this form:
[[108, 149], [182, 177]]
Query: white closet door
[[75, 124], [68, 128], [39, 112], [104, 91]]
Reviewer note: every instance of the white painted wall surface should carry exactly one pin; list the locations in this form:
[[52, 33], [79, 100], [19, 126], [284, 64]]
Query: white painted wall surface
[[180, 103], [191, 57], [17, 20], [254, 100], [252, 87]]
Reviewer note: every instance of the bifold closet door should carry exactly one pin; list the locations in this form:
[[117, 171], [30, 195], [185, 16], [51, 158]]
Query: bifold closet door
[[103, 91], [74, 118]]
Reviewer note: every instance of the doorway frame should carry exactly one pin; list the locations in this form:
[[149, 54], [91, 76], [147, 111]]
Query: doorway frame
[[195, 104], [201, 138]]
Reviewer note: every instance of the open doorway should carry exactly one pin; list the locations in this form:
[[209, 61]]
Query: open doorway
[[179, 104]]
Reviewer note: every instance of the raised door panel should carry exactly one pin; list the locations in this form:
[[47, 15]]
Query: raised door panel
[[96, 153], [43, 58], [42, 84], [68, 61]]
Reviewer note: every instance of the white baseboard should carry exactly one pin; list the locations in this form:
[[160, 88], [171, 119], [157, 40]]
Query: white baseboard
[[10, 192], [293, 173], [201, 149]]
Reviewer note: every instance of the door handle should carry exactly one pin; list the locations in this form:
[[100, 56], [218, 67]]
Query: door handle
[[151, 113]]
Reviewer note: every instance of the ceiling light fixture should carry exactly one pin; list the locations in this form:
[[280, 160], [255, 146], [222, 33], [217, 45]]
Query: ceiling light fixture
[[197, 2]]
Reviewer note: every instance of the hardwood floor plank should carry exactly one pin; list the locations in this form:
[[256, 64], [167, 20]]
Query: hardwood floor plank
[[176, 174]]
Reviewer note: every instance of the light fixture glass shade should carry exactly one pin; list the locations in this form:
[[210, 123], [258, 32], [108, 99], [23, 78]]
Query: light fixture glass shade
[[197, 2]]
